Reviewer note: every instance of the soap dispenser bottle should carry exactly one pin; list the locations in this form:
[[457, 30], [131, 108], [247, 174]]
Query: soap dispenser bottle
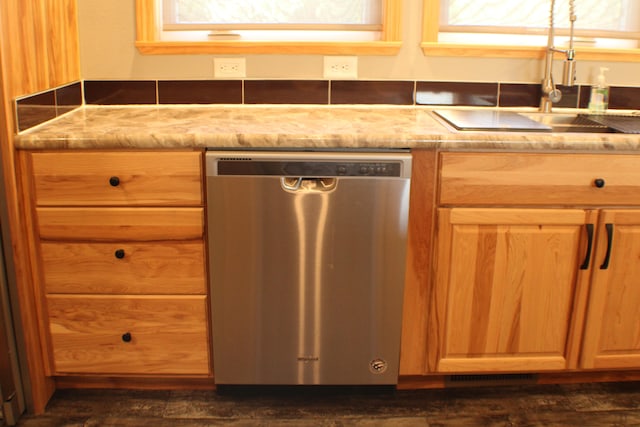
[[599, 101]]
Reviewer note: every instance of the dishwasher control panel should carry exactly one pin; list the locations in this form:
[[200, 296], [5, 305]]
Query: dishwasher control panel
[[369, 169], [388, 164], [387, 169], [309, 168]]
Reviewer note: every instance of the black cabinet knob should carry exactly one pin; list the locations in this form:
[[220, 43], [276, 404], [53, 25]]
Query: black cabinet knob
[[126, 337], [599, 182], [114, 181], [119, 253]]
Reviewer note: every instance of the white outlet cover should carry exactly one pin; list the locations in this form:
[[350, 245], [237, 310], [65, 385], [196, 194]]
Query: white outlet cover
[[340, 67], [229, 67]]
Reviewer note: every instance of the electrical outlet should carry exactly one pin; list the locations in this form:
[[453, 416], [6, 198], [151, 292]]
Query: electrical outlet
[[229, 67], [340, 67]]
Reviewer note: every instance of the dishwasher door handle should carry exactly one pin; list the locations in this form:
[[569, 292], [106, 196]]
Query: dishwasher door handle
[[291, 184], [317, 185]]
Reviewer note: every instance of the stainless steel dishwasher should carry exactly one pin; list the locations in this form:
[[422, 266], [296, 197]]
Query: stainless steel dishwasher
[[307, 260]]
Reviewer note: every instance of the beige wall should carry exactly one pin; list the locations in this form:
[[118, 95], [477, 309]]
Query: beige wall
[[107, 33]]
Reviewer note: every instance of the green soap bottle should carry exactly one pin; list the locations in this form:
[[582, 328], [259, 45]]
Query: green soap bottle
[[599, 101]]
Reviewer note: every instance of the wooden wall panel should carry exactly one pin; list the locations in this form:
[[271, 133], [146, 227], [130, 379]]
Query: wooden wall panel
[[39, 384], [24, 55], [40, 42], [64, 47], [415, 325], [38, 51]]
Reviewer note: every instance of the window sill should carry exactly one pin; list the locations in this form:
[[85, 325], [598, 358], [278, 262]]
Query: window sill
[[482, 51], [268, 47]]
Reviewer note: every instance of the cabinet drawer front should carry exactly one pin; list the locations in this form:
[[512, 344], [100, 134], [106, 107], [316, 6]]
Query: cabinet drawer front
[[118, 224], [139, 178], [124, 268], [166, 335], [539, 179]]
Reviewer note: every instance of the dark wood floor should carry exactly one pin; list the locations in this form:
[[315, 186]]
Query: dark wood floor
[[605, 404]]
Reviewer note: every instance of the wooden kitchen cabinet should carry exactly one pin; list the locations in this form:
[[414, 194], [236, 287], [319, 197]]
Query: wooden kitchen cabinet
[[518, 283], [120, 242], [612, 333], [140, 178], [117, 334], [417, 284], [117, 224], [155, 268], [537, 179], [506, 280]]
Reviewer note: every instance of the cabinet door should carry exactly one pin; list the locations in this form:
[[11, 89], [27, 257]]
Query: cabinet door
[[612, 333], [505, 286]]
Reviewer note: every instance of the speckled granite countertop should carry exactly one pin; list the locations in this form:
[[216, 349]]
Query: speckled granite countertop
[[175, 127]]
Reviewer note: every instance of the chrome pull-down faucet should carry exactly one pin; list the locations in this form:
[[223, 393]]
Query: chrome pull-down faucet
[[550, 93]]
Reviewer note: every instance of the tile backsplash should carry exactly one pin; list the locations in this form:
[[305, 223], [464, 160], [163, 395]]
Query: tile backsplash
[[199, 92], [457, 93], [372, 92], [38, 108], [286, 92], [120, 92]]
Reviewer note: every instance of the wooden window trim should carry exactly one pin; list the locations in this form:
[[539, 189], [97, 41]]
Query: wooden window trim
[[148, 38], [432, 47]]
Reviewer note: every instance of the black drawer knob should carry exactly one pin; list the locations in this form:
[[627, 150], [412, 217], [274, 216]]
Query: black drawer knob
[[599, 182], [119, 253], [126, 337], [114, 181]]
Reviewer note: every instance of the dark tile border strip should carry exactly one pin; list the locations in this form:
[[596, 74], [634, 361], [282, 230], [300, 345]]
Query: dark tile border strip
[[528, 95], [36, 109], [120, 92], [457, 94], [200, 92], [69, 98], [624, 98], [340, 92], [372, 92], [286, 92], [519, 95]]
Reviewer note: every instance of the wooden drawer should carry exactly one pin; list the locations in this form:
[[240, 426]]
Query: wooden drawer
[[124, 268], [168, 335], [140, 178], [539, 179], [120, 224]]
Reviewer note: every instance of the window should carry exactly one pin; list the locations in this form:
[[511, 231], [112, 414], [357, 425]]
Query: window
[[249, 14], [519, 27], [268, 26], [272, 19]]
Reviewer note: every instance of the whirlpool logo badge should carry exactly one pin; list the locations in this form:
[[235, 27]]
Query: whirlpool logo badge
[[378, 366]]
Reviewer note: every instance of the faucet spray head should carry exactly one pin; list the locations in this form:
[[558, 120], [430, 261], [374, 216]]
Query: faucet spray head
[[569, 73]]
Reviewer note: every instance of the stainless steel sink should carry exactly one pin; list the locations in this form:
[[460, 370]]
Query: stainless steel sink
[[489, 120], [568, 122]]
